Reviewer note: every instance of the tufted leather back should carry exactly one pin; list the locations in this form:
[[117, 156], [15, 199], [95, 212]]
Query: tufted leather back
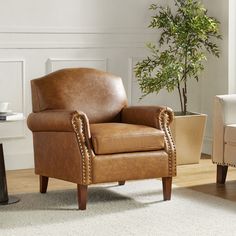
[[101, 96]]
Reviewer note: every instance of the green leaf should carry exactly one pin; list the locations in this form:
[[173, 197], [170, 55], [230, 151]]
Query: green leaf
[[187, 35]]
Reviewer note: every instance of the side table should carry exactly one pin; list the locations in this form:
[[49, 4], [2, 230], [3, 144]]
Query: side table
[[4, 198]]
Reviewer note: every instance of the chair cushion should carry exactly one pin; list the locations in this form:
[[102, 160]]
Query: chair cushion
[[110, 138], [230, 133]]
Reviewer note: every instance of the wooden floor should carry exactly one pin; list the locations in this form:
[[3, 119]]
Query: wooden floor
[[199, 177]]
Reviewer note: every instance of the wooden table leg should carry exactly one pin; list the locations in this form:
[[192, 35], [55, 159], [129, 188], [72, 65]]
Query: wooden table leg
[[4, 198]]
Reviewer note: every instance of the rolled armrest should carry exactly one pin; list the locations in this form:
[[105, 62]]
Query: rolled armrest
[[67, 121], [158, 117], [224, 114], [226, 108], [53, 120], [146, 115]]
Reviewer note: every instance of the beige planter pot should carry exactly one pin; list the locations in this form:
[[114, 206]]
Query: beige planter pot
[[188, 132]]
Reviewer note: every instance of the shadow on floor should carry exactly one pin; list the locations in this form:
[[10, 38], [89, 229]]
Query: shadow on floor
[[225, 191], [61, 206]]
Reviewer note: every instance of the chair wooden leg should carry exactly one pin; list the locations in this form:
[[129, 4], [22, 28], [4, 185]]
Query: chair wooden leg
[[121, 182], [82, 196], [43, 181], [221, 174], [167, 184]]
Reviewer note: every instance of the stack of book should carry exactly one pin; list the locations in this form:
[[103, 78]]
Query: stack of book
[[11, 116]]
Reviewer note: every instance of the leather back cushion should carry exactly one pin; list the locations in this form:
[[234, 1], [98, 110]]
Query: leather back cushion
[[101, 96]]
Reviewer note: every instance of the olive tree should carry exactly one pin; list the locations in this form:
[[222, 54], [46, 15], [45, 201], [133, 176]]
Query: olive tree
[[187, 36]]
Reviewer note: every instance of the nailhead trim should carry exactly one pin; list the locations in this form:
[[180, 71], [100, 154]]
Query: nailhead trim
[[223, 164], [79, 123], [165, 117]]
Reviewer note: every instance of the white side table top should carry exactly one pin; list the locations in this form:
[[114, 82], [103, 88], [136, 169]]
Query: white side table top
[[11, 116]]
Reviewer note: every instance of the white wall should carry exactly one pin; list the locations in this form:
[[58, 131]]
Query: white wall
[[232, 47], [215, 79], [37, 37]]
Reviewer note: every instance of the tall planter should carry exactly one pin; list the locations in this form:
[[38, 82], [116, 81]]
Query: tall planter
[[188, 133]]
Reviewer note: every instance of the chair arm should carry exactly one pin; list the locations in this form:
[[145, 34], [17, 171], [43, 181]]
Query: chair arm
[[81, 128], [67, 121], [50, 120], [158, 117], [224, 114], [226, 108], [146, 115]]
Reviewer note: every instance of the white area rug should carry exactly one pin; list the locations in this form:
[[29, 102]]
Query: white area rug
[[136, 208]]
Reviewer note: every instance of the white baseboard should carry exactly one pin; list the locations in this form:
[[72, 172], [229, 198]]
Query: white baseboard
[[19, 161]]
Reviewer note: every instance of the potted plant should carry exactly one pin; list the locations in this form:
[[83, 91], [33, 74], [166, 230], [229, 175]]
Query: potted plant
[[187, 35]]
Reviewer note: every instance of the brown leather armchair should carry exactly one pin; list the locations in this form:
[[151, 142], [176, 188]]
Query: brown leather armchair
[[83, 132]]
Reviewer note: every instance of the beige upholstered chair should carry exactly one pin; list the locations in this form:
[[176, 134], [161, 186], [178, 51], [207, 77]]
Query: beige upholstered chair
[[224, 136], [84, 132]]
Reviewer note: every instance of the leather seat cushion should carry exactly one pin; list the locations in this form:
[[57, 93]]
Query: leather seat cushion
[[108, 138], [230, 134]]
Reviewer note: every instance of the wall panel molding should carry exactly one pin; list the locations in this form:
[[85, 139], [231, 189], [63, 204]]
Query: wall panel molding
[[14, 129], [77, 30], [53, 64], [83, 39], [70, 45]]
